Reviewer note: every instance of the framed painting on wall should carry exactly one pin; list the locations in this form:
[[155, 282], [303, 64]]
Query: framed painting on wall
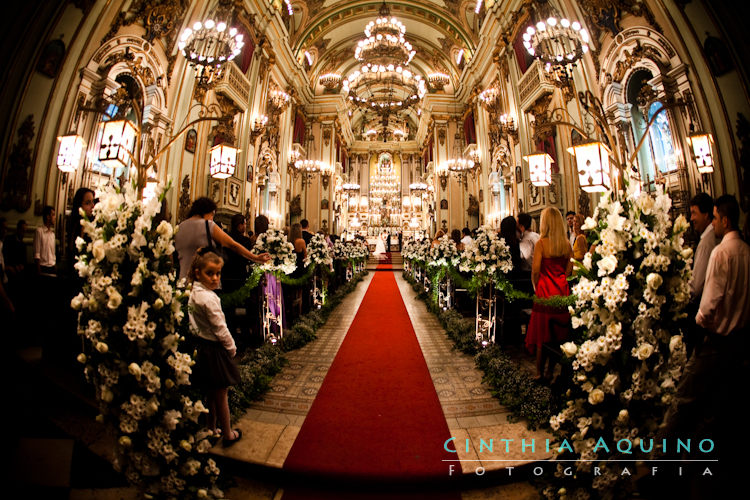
[[190, 139], [233, 193]]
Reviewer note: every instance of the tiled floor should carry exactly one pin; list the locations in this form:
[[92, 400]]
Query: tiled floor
[[475, 418], [274, 422]]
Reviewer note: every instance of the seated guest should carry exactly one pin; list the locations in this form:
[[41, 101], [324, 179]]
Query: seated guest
[[528, 239], [510, 327], [467, 240], [438, 235], [456, 237], [580, 247], [235, 271]]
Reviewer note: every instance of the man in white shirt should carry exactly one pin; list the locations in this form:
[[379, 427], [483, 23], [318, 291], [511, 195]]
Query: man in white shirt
[[725, 303], [467, 240], [701, 215], [570, 217], [528, 239], [44, 243], [705, 403]]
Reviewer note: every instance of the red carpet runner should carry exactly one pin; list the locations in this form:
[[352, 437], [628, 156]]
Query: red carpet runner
[[376, 416]]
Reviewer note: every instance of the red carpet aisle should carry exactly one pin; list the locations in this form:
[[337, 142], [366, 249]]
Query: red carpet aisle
[[377, 416]]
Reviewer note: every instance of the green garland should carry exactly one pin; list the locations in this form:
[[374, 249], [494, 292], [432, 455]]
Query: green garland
[[511, 384], [478, 280], [240, 296]]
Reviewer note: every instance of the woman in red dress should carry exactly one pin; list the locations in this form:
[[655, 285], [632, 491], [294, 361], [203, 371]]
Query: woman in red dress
[[549, 274]]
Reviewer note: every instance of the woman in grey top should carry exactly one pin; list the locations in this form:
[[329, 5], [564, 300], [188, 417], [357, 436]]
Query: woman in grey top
[[193, 234]]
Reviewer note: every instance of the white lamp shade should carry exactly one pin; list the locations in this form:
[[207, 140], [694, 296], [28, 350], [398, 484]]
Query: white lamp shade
[[223, 161], [592, 161], [702, 152], [540, 169], [117, 142], [69, 154]]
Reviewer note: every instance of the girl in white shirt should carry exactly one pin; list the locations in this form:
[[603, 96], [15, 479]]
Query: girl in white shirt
[[215, 368]]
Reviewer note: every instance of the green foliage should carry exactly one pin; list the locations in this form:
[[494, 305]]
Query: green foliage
[[258, 366], [509, 382]]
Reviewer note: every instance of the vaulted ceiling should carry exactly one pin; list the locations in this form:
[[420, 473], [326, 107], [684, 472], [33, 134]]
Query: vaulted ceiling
[[325, 32]]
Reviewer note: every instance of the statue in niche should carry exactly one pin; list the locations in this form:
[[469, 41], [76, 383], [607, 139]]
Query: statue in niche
[[473, 209], [295, 205], [717, 55], [443, 204], [274, 180]]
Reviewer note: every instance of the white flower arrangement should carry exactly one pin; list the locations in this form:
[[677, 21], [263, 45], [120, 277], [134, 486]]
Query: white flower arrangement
[[488, 256], [444, 254], [350, 250], [283, 258], [318, 252], [628, 354], [130, 314], [417, 251]]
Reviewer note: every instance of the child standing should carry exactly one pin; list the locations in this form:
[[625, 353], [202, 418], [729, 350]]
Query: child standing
[[215, 367]]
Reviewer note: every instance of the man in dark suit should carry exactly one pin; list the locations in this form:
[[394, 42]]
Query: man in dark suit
[[306, 234], [388, 243]]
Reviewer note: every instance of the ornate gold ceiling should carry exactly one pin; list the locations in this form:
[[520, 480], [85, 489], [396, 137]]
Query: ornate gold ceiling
[[329, 29]]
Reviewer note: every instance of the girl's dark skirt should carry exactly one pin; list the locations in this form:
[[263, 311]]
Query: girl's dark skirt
[[214, 368]]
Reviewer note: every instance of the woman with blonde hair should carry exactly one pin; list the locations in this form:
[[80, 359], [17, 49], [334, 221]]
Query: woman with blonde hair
[[549, 275], [438, 235]]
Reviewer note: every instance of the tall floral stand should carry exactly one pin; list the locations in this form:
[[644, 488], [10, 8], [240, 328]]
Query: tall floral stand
[[349, 271], [445, 294], [319, 289], [486, 314], [273, 309], [426, 282]]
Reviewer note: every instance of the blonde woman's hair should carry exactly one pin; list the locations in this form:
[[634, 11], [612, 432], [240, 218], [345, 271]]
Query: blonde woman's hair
[[439, 234], [202, 257], [553, 228]]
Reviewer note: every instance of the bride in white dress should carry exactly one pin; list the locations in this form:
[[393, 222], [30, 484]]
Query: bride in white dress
[[379, 252]]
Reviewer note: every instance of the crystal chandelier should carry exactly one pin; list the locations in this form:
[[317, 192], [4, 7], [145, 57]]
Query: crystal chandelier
[[210, 44], [383, 83], [438, 80], [555, 41], [330, 80], [384, 42]]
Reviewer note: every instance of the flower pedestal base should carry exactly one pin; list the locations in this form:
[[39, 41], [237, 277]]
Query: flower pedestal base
[[272, 317], [349, 271], [445, 294], [486, 314]]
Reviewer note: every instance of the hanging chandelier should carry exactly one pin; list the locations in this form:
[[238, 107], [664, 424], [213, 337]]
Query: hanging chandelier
[[383, 83], [210, 44], [553, 40], [384, 42]]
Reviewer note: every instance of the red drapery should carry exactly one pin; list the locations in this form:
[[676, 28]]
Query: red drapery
[[299, 129], [470, 132]]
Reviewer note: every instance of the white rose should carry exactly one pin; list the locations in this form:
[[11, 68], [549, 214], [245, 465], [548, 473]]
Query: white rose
[[135, 370], [81, 358], [77, 301], [687, 253], [115, 299], [607, 265], [98, 250], [596, 396], [654, 280], [164, 229], [588, 224], [623, 416], [587, 261], [158, 304], [675, 343], [644, 351], [102, 347], [569, 349]]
